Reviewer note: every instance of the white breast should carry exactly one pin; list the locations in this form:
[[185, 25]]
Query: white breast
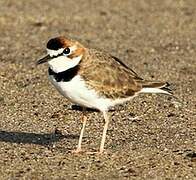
[[77, 92]]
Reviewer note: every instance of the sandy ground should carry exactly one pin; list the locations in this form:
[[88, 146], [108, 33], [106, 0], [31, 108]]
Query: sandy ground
[[156, 38]]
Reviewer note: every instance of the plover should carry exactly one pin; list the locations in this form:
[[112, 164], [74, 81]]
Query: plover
[[94, 79]]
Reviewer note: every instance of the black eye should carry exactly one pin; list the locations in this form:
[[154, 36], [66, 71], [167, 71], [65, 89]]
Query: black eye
[[66, 51]]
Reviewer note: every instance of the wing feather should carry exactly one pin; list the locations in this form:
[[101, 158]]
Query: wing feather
[[108, 75]]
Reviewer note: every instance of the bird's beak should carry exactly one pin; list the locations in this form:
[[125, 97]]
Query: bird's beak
[[43, 60]]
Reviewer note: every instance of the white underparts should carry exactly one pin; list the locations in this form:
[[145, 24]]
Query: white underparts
[[153, 90], [77, 92]]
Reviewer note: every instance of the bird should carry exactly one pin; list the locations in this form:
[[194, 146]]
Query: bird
[[94, 79]]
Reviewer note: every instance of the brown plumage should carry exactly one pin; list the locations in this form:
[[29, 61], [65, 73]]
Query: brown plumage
[[95, 79], [110, 76]]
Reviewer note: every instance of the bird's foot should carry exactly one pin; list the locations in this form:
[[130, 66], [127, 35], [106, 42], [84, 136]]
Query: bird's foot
[[80, 151], [135, 118], [77, 151], [96, 152]]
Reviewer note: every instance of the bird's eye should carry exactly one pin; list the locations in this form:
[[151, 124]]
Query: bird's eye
[[66, 51]]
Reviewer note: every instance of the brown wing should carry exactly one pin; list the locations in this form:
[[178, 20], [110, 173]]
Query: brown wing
[[126, 67], [108, 75]]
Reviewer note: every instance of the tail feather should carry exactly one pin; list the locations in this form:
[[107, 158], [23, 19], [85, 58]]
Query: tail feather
[[156, 87]]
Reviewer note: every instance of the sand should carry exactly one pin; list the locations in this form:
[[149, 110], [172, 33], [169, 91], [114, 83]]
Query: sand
[[156, 38]]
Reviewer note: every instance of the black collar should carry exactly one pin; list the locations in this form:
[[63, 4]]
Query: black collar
[[64, 76]]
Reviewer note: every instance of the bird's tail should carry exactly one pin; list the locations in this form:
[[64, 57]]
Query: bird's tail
[[156, 87]]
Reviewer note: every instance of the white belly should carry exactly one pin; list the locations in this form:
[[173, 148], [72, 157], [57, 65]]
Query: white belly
[[77, 92]]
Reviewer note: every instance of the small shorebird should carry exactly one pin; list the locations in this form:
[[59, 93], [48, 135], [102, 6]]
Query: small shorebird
[[94, 79]]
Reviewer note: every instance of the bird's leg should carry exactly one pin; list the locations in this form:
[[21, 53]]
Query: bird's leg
[[107, 119], [83, 120]]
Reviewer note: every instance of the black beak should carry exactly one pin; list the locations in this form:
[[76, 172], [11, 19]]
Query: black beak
[[43, 60]]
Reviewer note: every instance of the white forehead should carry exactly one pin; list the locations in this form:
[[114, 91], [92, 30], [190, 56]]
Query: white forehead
[[59, 51]]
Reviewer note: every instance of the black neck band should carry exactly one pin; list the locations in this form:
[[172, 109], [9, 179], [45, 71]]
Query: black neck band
[[64, 76]]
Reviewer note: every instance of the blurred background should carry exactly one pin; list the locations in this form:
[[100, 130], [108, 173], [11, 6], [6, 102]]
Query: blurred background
[[156, 38]]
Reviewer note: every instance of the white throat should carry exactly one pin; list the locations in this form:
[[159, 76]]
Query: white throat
[[63, 63]]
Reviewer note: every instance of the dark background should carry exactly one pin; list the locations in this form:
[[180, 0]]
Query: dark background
[[156, 38]]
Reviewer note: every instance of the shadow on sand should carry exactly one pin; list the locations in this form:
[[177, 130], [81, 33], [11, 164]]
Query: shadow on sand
[[32, 138]]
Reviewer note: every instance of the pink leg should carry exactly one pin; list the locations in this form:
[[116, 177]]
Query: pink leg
[[79, 147], [107, 119]]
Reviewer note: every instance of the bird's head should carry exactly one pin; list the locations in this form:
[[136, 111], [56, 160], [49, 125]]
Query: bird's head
[[62, 54]]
